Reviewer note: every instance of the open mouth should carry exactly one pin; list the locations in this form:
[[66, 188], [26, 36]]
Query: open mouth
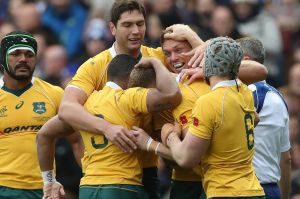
[[134, 40], [178, 65]]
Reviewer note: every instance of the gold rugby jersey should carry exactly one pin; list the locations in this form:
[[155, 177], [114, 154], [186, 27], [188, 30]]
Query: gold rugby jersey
[[22, 114], [225, 116]]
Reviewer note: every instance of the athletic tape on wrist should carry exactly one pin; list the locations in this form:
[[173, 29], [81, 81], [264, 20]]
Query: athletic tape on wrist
[[48, 177], [149, 143], [156, 148]]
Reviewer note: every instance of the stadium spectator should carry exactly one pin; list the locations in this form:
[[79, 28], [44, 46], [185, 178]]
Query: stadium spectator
[[66, 19], [254, 21]]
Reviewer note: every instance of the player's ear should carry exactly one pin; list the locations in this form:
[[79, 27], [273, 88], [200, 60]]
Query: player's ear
[[112, 28]]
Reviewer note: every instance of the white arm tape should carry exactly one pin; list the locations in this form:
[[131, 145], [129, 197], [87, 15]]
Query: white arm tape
[[48, 177]]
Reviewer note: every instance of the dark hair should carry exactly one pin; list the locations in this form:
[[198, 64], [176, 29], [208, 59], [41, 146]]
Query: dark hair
[[121, 6], [120, 67], [253, 48], [141, 77]]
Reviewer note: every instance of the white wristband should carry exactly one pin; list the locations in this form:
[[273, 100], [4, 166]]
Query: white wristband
[[149, 143], [48, 177], [156, 148]]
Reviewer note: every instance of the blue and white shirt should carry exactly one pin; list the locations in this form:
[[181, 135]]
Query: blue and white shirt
[[271, 133]]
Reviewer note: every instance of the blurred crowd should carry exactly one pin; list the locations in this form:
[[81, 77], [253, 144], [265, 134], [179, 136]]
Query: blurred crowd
[[70, 31]]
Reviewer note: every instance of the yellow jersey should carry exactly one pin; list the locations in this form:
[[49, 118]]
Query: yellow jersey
[[225, 116], [182, 114], [92, 75], [107, 164], [22, 114]]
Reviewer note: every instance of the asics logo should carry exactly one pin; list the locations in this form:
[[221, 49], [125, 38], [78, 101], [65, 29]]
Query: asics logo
[[19, 105]]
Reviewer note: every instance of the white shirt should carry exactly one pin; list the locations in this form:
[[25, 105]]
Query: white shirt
[[271, 137]]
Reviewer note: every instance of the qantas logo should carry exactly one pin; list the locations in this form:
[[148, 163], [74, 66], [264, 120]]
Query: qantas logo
[[33, 128]]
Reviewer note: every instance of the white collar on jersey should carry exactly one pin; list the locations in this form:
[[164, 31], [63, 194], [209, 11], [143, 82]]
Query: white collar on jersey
[[226, 83], [2, 82], [113, 85], [113, 51]]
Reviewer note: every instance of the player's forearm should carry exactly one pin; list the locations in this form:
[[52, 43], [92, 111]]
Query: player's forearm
[[46, 137], [166, 84], [45, 150], [252, 71], [285, 181], [161, 150], [193, 39], [80, 119], [77, 146], [177, 151]]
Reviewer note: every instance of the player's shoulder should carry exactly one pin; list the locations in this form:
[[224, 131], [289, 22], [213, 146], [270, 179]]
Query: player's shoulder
[[47, 86], [148, 51], [104, 54], [208, 99], [102, 57], [135, 90]]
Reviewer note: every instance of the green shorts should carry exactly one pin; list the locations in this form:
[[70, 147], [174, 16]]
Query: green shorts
[[11, 193], [151, 182], [186, 190], [114, 191], [251, 197]]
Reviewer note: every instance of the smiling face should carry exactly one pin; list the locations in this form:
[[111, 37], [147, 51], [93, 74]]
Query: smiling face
[[173, 52], [21, 64], [129, 32]]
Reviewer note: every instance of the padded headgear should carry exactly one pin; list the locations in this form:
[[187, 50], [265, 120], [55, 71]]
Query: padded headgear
[[13, 41], [223, 57]]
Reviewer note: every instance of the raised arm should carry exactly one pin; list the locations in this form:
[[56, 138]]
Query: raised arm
[[181, 32], [252, 71], [166, 94], [73, 113]]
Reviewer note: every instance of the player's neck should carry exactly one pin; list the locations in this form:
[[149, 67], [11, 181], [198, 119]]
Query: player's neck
[[216, 79], [121, 50], [14, 84]]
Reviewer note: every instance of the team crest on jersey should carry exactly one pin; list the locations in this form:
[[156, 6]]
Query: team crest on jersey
[[39, 107]]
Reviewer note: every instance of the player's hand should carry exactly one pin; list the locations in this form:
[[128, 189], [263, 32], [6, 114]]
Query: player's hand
[[166, 130], [53, 190], [177, 129], [177, 32], [121, 137], [197, 54], [141, 137], [191, 75], [147, 62]]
